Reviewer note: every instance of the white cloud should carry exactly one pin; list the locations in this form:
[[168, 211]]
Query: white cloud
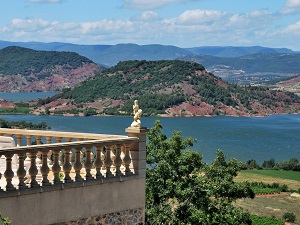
[[200, 16], [30, 23], [151, 4], [291, 7], [293, 29], [148, 16], [260, 13]]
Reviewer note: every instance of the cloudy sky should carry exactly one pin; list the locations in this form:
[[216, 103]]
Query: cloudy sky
[[183, 23]]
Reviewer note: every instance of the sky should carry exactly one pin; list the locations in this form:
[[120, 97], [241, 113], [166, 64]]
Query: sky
[[182, 23]]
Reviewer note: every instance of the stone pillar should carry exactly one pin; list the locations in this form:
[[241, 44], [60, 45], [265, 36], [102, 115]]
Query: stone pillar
[[138, 150], [138, 157]]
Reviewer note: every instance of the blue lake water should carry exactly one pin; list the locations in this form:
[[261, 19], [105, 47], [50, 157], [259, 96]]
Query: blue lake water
[[259, 138]]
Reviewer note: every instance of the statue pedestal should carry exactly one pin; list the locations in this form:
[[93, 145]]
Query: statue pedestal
[[138, 149]]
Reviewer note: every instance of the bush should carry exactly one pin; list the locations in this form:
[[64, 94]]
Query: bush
[[259, 220], [5, 220], [289, 217]]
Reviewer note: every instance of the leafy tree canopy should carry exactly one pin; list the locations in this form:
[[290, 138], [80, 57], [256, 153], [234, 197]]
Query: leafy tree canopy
[[182, 189]]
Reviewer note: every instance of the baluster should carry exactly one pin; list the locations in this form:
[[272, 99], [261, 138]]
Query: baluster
[[108, 162], [112, 156], [98, 162], [56, 167], [38, 140], [21, 172], [33, 171], [59, 140], [9, 174], [45, 168], [118, 160], [27, 160], [28, 140], [88, 165], [127, 159], [19, 139], [77, 165], [48, 141], [67, 166]]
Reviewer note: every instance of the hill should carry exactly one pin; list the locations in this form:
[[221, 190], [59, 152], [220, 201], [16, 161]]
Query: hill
[[235, 51], [256, 68], [167, 87], [23, 69], [291, 84]]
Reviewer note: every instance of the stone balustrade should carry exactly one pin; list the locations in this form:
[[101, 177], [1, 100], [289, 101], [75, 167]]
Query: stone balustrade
[[66, 177], [59, 160]]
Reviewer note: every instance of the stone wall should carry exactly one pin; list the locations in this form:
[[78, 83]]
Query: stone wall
[[127, 217]]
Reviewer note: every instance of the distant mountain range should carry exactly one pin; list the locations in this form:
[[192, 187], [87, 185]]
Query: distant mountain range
[[110, 55], [234, 51], [240, 65]]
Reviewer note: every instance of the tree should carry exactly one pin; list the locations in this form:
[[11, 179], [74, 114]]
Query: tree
[[182, 189], [269, 164]]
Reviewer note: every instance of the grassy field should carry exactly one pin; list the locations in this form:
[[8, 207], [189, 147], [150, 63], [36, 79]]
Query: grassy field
[[290, 178], [272, 205]]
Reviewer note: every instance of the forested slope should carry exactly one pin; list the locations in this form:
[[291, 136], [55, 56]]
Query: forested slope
[[170, 87], [23, 69]]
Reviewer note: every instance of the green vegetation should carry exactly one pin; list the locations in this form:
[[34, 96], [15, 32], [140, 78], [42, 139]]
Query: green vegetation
[[15, 110], [180, 186], [264, 220], [281, 79], [290, 175], [289, 217], [26, 61], [167, 83], [292, 164], [263, 188], [4, 220], [23, 125]]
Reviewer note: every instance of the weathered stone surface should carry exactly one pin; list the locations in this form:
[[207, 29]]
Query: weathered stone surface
[[127, 217]]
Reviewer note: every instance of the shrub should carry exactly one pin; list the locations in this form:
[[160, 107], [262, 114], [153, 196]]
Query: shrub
[[289, 217], [259, 220]]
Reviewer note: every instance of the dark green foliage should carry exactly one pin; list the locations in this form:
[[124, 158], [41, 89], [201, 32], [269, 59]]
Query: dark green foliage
[[289, 217], [183, 190], [154, 104], [5, 220], [252, 164], [160, 85], [269, 164], [264, 220], [264, 188], [293, 164], [23, 125], [16, 60], [15, 110]]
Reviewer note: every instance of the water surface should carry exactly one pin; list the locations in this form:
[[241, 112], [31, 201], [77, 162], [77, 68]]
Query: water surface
[[259, 138]]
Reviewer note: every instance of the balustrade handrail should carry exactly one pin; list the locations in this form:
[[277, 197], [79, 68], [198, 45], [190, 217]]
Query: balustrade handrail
[[46, 133], [62, 145]]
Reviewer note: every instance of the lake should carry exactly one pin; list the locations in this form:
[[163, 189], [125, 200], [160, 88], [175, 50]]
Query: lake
[[259, 138]]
